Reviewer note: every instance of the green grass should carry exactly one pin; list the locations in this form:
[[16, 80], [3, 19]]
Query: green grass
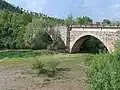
[[15, 58], [23, 54], [21, 57]]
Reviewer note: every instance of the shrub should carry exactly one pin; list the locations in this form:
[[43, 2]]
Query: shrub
[[52, 68], [39, 66], [104, 71], [49, 69]]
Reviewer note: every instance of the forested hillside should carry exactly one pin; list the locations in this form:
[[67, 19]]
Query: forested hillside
[[8, 6], [14, 27]]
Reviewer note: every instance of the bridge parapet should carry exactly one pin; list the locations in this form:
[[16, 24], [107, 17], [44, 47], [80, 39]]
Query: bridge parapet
[[94, 26]]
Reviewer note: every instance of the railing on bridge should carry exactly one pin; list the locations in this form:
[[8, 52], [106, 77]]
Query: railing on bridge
[[94, 26]]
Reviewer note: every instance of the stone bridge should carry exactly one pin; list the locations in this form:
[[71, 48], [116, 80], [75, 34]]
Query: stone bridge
[[73, 37]]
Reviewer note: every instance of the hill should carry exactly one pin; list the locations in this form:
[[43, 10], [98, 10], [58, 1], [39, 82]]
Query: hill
[[7, 6]]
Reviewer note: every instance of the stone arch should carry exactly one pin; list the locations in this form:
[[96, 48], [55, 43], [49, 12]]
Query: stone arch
[[60, 42], [49, 35], [81, 38]]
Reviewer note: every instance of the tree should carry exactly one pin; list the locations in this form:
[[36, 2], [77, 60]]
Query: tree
[[106, 22], [87, 20], [79, 20], [83, 20], [69, 20], [7, 6], [15, 24], [115, 22], [34, 34]]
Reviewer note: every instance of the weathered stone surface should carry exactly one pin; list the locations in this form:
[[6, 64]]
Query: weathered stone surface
[[73, 37]]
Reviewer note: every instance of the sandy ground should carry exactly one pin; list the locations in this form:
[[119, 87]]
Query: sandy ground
[[20, 78]]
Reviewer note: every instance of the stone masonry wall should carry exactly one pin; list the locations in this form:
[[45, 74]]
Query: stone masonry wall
[[71, 36], [107, 38]]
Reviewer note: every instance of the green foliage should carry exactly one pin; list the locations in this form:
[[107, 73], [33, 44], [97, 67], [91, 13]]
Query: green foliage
[[49, 69], [15, 23], [106, 22], [8, 6], [83, 20], [39, 67], [117, 45], [93, 45], [104, 71], [52, 68], [33, 31], [69, 20], [14, 26], [24, 53], [35, 34], [12, 30]]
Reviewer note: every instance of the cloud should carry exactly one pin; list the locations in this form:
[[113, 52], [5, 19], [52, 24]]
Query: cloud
[[114, 6], [114, 11], [99, 9]]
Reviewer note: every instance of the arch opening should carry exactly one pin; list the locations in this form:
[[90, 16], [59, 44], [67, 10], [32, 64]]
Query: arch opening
[[42, 42], [55, 43], [89, 44]]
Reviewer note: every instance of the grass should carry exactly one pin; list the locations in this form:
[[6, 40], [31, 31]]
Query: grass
[[71, 66], [23, 54], [70, 62], [21, 57], [103, 69], [15, 58]]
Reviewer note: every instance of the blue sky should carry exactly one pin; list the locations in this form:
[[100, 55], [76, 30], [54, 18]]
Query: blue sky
[[96, 9]]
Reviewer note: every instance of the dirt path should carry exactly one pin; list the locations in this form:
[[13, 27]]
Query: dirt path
[[23, 79]]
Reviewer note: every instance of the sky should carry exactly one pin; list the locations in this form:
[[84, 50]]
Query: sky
[[96, 9]]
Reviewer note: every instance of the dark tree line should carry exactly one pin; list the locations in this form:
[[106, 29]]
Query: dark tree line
[[17, 25], [5, 5]]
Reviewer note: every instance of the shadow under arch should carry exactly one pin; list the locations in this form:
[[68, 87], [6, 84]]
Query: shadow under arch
[[42, 41], [57, 43], [79, 44], [47, 38]]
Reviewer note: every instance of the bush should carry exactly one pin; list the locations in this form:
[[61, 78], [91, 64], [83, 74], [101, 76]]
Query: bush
[[49, 69], [52, 68], [104, 71], [39, 66]]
